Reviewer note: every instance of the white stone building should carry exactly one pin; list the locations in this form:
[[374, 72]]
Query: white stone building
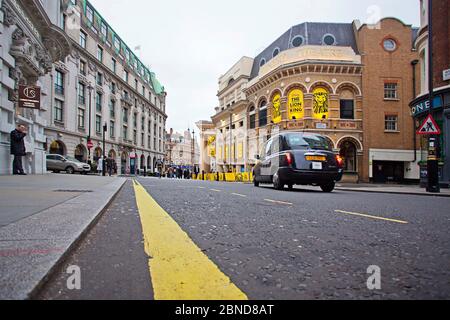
[[30, 42]]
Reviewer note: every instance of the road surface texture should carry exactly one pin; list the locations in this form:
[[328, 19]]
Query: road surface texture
[[291, 245]]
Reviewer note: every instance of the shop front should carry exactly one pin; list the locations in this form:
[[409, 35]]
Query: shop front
[[420, 109]]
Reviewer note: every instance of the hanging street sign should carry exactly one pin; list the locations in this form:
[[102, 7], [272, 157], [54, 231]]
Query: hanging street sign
[[29, 97], [429, 127]]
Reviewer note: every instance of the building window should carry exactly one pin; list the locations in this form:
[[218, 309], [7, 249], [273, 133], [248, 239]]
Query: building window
[[263, 114], [143, 123], [98, 124], [99, 79], [262, 62], [389, 45], [134, 137], [328, 40], [82, 67], [63, 21], [113, 87], [125, 132], [100, 54], [391, 91], [111, 129], [297, 41], [81, 118], [113, 65], [81, 94], [391, 123], [83, 38], [135, 120], [58, 111], [347, 109], [59, 82], [252, 115], [98, 102], [125, 116], [142, 139], [104, 29], [89, 14], [136, 84], [275, 52], [125, 76], [112, 109]]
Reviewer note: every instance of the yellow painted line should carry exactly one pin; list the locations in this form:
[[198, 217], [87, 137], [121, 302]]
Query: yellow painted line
[[371, 217], [239, 195], [279, 202], [179, 269], [215, 190]]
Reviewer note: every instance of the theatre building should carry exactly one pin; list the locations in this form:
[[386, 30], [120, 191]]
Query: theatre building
[[325, 78]]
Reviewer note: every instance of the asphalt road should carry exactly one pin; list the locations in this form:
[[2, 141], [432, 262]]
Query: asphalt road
[[302, 244]]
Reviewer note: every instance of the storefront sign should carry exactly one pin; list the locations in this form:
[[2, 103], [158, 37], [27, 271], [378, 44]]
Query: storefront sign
[[321, 103], [446, 74], [296, 105], [347, 125], [29, 97], [424, 105], [320, 125], [296, 125], [276, 108]]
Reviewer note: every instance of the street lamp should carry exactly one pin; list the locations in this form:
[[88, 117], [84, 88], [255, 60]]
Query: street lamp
[[105, 129], [89, 142]]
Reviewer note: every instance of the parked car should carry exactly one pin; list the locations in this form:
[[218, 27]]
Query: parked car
[[58, 163], [296, 158]]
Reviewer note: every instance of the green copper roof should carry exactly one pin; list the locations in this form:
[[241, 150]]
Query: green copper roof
[[133, 62]]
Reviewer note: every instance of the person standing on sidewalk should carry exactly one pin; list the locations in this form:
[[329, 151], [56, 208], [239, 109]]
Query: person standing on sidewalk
[[100, 165], [18, 148]]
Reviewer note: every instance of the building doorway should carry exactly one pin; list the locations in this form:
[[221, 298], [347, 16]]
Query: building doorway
[[348, 154], [81, 153], [123, 162], [57, 147], [388, 171]]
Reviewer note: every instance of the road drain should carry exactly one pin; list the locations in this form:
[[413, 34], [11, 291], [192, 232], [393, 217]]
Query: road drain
[[74, 191]]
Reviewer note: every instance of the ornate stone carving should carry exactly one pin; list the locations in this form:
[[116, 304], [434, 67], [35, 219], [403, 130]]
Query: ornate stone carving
[[9, 17]]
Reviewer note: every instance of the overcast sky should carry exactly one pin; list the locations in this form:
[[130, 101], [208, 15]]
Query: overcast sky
[[189, 44]]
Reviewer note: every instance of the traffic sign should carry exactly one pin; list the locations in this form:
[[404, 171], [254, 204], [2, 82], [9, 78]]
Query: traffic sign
[[90, 145], [429, 127]]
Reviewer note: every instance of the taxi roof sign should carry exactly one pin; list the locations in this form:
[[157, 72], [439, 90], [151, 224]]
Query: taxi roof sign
[[429, 126]]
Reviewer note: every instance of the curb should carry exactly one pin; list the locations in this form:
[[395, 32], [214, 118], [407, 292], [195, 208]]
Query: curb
[[34, 293], [396, 192], [65, 225]]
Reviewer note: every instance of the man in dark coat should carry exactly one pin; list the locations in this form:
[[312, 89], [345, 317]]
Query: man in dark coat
[[18, 148]]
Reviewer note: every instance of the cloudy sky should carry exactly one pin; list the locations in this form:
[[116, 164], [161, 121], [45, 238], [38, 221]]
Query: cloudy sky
[[189, 44]]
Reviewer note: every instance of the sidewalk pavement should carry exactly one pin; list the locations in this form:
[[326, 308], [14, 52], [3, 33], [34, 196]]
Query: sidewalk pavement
[[391, 188], [41, 219]]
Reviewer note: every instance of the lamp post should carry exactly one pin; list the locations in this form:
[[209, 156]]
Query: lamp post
[[432, 162], [105, 129], [89, 142]]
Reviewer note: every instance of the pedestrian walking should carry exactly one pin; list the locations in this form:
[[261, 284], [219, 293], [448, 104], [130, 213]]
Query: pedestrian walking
[[109, 166], [18, 148], [100, 165]]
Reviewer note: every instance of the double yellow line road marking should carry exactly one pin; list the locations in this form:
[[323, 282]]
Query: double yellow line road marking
[[179, 269]]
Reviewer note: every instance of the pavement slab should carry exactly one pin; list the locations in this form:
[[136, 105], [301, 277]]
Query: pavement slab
[[33, 245]]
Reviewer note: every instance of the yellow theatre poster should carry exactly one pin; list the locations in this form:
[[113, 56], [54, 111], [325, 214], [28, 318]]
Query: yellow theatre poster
[[296, 107], [276, 108], [212, 151], [321, 103], [240, 150]]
